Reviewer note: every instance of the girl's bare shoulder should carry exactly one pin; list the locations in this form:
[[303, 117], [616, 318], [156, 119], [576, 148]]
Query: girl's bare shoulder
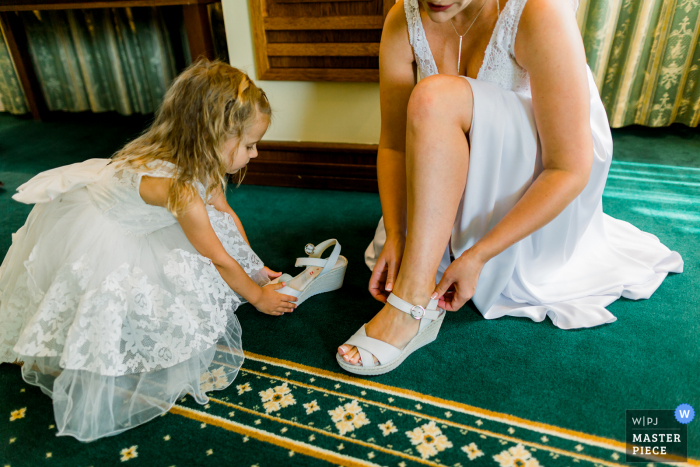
[[155, 190]]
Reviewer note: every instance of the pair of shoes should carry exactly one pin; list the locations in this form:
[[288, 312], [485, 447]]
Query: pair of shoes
[[390, 357], [320, 275]]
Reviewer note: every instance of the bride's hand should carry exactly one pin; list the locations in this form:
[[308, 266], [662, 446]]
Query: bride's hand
[[458, 284], [387, 268], [271, 274]]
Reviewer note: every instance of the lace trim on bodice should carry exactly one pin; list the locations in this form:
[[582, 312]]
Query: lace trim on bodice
[[118, 197], [419, 42], [499, 67], [160, 168]]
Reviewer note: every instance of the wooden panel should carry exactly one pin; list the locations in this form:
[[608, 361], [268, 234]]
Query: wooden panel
[[324, 36], [321, 74], [323, 50], [332, 166], [28, 5], [317, 1], [363, 63], [335, 23], [274, 9], [387, 4], [258, 27], [331, 40], [199, 34]]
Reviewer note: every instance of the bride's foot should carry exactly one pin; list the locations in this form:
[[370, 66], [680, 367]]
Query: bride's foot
[[389, 325]]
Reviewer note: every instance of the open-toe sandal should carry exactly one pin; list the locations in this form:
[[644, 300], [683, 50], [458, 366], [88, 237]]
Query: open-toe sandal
[[320, 275], [388, 356]]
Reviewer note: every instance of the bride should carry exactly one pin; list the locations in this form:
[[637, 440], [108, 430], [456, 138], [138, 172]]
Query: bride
[[491, 173]]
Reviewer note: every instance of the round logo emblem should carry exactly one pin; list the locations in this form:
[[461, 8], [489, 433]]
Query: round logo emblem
[[684, 414]]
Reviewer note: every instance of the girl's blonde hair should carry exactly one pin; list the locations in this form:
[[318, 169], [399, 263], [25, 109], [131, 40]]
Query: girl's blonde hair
[[206, 105]]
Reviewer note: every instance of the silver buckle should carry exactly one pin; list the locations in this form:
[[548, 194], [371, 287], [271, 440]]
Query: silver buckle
[[421, 309], [309, 249]]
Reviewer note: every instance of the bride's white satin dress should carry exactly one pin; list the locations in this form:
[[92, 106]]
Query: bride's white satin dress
[[583, 260]]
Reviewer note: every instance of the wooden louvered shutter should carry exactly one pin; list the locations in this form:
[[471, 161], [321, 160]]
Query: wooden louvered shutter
[[312, 40]]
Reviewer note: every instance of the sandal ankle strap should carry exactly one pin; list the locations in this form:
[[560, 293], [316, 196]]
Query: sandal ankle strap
[[315, 253], [416, 311]]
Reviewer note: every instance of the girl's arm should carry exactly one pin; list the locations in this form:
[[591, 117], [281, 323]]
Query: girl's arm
[[396, 82], [197, 227], [218, 200], [555, 60]]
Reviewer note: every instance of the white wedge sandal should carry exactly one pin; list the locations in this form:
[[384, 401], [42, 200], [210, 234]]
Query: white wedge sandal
[[320, 275], [390, 357]]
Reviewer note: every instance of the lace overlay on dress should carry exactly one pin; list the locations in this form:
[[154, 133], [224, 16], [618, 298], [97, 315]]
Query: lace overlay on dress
[[499, 66], [127, 321], [126, 325]]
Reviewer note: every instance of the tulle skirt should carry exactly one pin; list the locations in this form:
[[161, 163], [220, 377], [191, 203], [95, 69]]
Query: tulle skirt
[[573, 267], [115, 327]]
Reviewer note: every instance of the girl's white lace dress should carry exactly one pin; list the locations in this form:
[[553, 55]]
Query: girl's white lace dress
[[113, 312], [583, 260]]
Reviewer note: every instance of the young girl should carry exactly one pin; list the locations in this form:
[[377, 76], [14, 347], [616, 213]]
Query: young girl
[[118, 292]]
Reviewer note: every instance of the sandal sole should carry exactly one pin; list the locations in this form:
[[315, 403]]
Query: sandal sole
[[329, 282]]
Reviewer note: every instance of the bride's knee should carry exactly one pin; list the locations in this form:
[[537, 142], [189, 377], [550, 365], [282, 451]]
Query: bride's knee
[[440, 97]]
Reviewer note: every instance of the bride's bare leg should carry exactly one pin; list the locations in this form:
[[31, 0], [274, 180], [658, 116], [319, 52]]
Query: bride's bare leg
[[437, 161]]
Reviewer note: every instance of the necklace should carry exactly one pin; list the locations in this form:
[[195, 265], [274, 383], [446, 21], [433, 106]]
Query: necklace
[[459, 58]]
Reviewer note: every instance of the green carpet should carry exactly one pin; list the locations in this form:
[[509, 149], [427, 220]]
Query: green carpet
[[581, 380]]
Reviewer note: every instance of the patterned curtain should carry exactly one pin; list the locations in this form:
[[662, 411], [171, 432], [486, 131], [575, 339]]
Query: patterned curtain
[[102, 59], [645, 57], [11, 95], [120, 59]]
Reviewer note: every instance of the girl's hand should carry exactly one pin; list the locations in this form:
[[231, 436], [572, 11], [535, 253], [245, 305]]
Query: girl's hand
[[458, 284], [387, 268], [271, 274], [273, 303]]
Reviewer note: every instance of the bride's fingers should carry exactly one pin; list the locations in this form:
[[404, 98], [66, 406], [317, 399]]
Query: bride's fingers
[[378, 274], [379, 294], [390, 276], [444, 285]]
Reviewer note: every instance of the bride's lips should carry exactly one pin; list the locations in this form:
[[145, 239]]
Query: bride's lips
[[436, 7]]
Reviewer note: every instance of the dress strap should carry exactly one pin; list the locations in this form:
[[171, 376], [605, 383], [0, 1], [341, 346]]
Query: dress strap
[[418, 40], [410, 7], [511, 19]]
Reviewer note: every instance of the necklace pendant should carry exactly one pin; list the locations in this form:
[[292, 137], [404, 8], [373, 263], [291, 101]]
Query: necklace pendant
[[459, 56]]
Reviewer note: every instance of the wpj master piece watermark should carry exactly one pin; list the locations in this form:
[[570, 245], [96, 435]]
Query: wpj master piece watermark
[[658, 435]]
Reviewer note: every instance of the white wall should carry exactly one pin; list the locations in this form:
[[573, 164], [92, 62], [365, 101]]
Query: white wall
[[305, 110]]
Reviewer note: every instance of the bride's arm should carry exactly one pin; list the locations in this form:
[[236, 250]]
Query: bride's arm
[[396, 81], [555, 60], [549, 46]]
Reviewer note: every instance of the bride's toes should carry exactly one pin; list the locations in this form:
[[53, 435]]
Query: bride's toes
[[352, 356]]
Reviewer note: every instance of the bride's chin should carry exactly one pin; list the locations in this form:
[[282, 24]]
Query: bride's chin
[[439, 16]]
